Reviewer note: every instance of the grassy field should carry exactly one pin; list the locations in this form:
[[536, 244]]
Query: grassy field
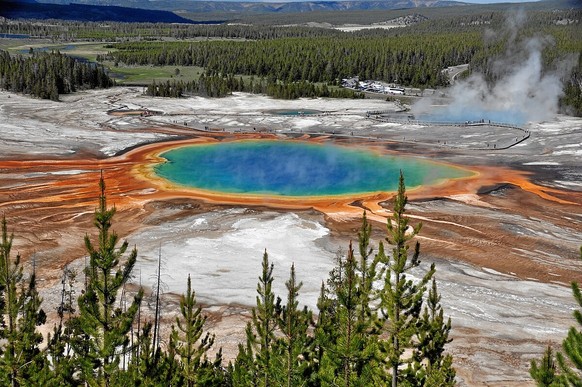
[[15, 45], [88, 51], [134, 75], [85, 50], [142, 75]]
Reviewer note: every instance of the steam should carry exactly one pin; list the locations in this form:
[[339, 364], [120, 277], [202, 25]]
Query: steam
[[523, 92]]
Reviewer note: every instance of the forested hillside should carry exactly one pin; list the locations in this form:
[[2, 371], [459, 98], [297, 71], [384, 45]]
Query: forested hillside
[[70, 11], [46, 75], [254, 7]]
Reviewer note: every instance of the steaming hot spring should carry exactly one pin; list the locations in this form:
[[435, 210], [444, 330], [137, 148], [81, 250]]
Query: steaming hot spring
[[295, 168]]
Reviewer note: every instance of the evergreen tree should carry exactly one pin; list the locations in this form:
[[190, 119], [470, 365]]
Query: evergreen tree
[[190, 344], [431, 367], [348, 341], [293, 347], [46, 75], [546, 374], [254, 364], [244, 370], [264, 324], [569, 359], [148, 367], [21, 360], [58, 348], [368, 274], [325, 335], [572, 344], [401, 297], [101, 328]]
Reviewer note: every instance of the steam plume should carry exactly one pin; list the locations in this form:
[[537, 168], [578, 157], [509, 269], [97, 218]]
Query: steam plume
[[522, 92]]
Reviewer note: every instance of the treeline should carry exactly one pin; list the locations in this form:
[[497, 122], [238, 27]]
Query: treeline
[[116, 31], [413, 61], [221, 86], [572, 99], [48, 74], [376, 323], [494, 21], [258, 27], [445, 19], [155, 31]]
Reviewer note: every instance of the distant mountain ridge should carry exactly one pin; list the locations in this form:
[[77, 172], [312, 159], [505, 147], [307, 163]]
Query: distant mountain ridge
[[191, 6], [86, 12], [169, 11]]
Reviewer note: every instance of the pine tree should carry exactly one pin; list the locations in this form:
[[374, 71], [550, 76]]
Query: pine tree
[[366, 269], [21, 359], [254, 363], [148, 367], [265, 323], [325, 335], [244, 370], [58, 348], [157, 307], [401, 297], [101, 328], [546, 374], [348, 342], [569, 372], [190, 343], [572, 344], [351, 343], [293, 353], [431, 367]]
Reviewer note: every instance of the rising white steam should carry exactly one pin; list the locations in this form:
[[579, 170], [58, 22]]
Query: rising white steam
[[523, 91]]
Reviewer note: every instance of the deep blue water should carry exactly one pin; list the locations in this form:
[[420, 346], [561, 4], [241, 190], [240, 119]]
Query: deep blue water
[[304, 112], [451, 115], [286, 168], [14, 36]]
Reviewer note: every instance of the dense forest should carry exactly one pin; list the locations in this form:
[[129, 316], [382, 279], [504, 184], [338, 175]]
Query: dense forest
[[48, 74], [375, 325], [221, 86], [409, 60], [117, 31]]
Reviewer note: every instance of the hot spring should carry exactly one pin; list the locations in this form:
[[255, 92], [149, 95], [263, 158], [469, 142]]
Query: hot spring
[[466, 114], [285, 112], [295, 169]]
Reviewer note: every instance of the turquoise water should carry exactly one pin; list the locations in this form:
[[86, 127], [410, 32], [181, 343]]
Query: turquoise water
[[304, 112], [14, 36], [285, 168]]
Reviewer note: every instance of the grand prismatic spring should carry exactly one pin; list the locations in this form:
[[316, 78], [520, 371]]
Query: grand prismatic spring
[[291, 168]]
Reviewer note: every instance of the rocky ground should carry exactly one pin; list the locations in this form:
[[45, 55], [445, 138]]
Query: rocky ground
[[505, 242]]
